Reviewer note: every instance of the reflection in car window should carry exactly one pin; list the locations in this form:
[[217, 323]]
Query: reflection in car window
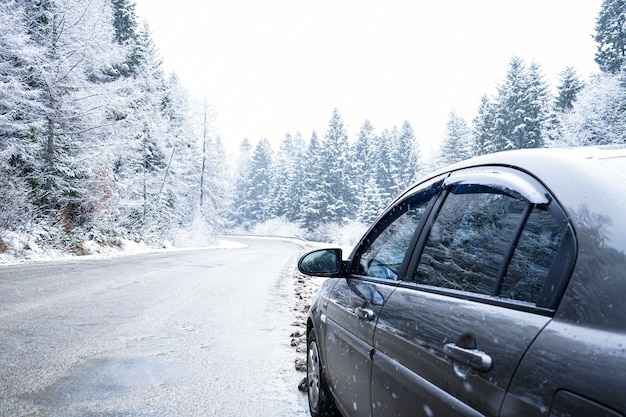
[[533, 257], [469, 242], [383, 257], [477, 233]]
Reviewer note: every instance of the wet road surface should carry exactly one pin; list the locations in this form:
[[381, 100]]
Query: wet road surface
[[187, 333]]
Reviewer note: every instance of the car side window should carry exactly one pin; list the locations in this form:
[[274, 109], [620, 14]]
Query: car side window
[[533, 257], [469, 242], [486, 242], [385, 249]]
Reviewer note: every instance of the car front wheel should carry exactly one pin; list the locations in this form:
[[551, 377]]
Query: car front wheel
[[320, 400]]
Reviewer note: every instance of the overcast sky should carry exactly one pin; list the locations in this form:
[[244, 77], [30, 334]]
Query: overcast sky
[[277, 66]]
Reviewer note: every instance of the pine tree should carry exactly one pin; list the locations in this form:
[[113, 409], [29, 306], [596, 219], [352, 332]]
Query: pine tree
[[288, 177], [370, 198], [242, 185], [313, 190], [126, 34], [258, 196], [567, 90], [484, 125], [335, 174], [384, 168], [597, 116], [408, 156], [611, 36], [71, 75], [286, 184], [458, 143], [142, 155], [522, 108], [364, 155], [20, 113], [539, 109]]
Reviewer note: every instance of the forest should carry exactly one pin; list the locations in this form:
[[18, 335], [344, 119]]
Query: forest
[[98, 145]]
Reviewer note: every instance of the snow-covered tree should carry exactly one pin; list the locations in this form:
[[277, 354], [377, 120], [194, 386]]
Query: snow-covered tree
[[538, 109], [569, 86], [95, 141], [458, 143], [370, 198], [215, 181], [126, 34], [484, 127], [407, 156], [611, 36], [335, 172], [520, 111], [238, 212], [313, 198], [70, 70], [287, 176], [142, 158], [597, 116], [258, 197], [384, 169]]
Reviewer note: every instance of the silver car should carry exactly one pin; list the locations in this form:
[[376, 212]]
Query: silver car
[[493, 287]]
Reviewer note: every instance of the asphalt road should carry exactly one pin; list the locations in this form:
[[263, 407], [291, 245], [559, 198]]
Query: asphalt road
[[187, 333]]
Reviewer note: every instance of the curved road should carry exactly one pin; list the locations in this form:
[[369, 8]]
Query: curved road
[[186, 333]]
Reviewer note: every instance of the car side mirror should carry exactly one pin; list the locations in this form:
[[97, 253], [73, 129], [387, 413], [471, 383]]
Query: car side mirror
[[321, 262]]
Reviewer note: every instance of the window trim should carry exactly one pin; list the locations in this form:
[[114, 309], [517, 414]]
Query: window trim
[[434, 187], [507, 180]]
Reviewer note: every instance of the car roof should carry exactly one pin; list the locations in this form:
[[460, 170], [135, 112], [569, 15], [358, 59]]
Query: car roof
[[540, 161], [588, 182]]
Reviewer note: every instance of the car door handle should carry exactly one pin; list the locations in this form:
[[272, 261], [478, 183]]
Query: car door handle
[[364, 313], [478, 360]]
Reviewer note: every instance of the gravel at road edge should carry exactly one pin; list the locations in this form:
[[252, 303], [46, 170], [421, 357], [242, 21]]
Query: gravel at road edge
[[305, 289]]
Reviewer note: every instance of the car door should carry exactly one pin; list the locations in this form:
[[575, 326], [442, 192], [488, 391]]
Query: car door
[[377, 265], [478, 291]]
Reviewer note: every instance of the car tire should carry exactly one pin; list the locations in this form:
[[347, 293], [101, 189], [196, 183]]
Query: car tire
[[321, 402]]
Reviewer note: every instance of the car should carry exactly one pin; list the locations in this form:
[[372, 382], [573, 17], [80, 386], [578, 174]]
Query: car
[[493, 287]]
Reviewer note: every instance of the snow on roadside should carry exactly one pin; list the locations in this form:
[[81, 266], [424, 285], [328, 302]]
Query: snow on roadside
[[305, 289], [16, 250]]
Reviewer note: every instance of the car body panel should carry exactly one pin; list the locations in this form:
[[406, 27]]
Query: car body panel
[[410, 332], [352, 313]]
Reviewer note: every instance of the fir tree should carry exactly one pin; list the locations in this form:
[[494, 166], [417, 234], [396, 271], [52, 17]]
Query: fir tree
[[458, 141], [485, 127], [70, 75], [597, 116], [611, 36], [370, 198], [20, 114], [258, 196], [242, 185], [313, 190], [335, 172], [522, 108], [567, 90], [126, 34], [286, 184], [408, 156]]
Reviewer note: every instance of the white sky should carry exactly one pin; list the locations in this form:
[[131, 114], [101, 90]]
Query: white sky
[[276, 66]]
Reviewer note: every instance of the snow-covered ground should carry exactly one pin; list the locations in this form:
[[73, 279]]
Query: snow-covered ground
[[19, 250]]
